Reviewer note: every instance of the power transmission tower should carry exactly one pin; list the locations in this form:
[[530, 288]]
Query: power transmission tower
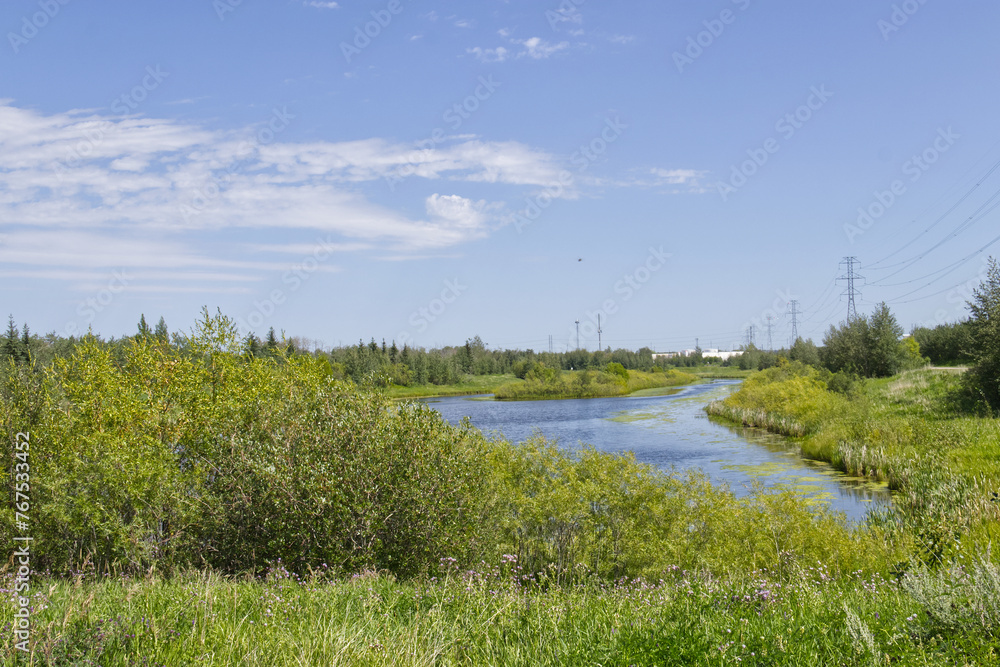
[[770, 346], [550, 343], [578, 334], [851, 292], [793, 310], [750, 335], [599, 332]]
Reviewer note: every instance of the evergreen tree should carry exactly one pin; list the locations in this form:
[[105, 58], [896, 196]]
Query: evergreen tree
[[144, 331], [161, 332], [271, 344], [984, 332], [24, 349], [251, 345], [11, 344]]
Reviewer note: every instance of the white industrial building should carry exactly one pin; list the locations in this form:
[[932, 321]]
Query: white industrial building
[[706, 352]]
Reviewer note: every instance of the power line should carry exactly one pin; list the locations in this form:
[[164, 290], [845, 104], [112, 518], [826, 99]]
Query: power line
[[793, 310], [993, 168], [851, 291]]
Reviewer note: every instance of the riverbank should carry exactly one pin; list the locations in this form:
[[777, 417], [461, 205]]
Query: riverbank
[[590, 384], [473, 384], [494, 616], [567, 384], [913, 431]]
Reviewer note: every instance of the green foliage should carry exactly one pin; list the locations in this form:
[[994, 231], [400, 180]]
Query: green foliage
[[616, 369], [790, 398], [866, 346], [945, 344], [909, 354], [805, 351], [546, 383], [984, 335], [148, 455], [908, 431], [494, 614]]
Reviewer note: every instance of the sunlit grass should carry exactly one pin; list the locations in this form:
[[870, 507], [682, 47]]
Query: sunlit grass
[[498, 615]]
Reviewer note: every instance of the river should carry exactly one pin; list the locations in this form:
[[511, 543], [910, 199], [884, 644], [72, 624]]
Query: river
[[672, 431]]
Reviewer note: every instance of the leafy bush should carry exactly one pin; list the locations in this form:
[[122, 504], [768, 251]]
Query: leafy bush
[[866, 346], [789, 398], [167, 458]]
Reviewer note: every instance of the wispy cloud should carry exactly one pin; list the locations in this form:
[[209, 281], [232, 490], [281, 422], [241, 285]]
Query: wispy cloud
[[85, 192], [535, 48], [497, 55], [82, 190], [322, 5], [539, 49]]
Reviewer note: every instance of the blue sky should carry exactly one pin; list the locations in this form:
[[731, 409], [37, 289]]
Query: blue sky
[[431, 171]]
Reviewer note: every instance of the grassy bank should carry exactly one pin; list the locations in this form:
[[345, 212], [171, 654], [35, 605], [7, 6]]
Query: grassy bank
[[911, 430], [718, 372], [472, 384], [590, 384], [495, 615]]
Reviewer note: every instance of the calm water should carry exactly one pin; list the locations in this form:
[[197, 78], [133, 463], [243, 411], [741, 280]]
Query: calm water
[[671, 431]]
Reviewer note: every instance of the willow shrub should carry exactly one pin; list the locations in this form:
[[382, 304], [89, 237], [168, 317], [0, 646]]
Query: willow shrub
[[789, 398], [593, 512], [157, 456]]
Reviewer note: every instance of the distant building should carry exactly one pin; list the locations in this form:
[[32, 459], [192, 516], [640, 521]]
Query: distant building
[[709, 352]]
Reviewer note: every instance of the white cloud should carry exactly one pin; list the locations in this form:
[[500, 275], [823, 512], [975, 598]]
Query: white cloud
[[533, 47], [538, 48], [459, 212], [622, 39], [497, 55], [322, 5], [83, 191], [677, 176]]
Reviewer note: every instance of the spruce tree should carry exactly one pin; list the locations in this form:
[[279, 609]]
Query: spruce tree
[[11, 344], [161, 332], [143, 328]]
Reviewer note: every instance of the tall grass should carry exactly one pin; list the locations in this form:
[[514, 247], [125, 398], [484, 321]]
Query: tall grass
[[496, 614], [911, 430]]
